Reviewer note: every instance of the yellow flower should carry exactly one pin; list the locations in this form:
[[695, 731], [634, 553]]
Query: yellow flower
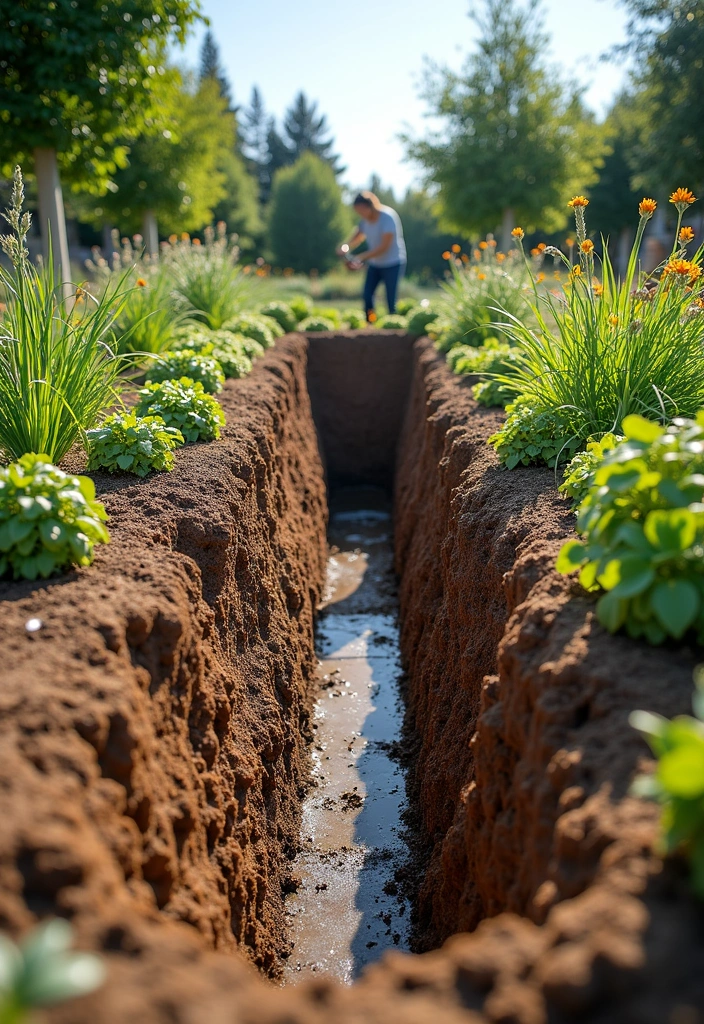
[[587, 246], [482, 246], [141, 283], [598, 289], [185, 237], [518, 233], [576, 271], [682, 198], [613, 320], [683, 269], [456, 248], [577, 201], [647, 207], [686, 234], [540, 277], [447, 254]]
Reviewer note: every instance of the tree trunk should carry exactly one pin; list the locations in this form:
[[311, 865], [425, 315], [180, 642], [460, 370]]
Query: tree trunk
[[151, 233], [52, 216], [508, 222]]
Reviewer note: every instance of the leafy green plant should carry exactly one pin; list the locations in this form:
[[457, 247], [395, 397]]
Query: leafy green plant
[[491, 359], [300, 306], [183, 404], [49, 520], [327, 313], [184, 363], [282, 313], [355, 320], [642, 524], [41, 971], [579, 473], [58, 367], [532, 435], [419, 318], [234, 352], [678, 780], [391, 322], [404, 306], [150, 314], [207, 277], [255, 327], [128, 443], [316, 323]]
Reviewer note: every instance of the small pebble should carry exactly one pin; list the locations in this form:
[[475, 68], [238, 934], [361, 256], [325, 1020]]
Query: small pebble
[[32, 625]]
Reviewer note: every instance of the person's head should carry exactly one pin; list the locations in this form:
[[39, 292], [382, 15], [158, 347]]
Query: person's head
[[367, 205]]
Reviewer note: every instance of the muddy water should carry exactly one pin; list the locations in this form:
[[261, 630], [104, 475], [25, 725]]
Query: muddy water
[[348, 908]]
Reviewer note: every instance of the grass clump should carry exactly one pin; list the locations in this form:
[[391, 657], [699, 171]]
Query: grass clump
[[207, 277], [316, 323], [642, 529], [532, 435], [49, 520], [185, 405], [185, 363], [259, 328], [128, 443], [282, 313]]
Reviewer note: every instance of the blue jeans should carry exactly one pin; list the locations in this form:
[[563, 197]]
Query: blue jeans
[[391, 277]]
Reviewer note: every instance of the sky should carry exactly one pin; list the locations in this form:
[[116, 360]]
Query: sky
[[363, 63]]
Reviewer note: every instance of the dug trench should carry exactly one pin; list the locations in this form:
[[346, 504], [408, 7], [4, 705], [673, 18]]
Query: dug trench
[[155, 726]]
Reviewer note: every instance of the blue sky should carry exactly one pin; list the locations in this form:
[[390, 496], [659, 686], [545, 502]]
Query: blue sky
[[362, 62]]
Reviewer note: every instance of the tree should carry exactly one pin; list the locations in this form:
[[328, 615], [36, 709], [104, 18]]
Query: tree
[[239, 206], [515, 141], [667, 39], [76, 82], [278, 155], [174, 177], [306, 132], [210, 68], [254, 131], [425, 239], [307, 219]]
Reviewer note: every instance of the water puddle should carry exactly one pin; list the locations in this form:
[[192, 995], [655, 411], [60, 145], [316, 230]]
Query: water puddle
[[348, 908]]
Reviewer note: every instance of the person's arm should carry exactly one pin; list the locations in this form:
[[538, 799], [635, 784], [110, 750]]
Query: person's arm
[[383, 246], [355, 239]]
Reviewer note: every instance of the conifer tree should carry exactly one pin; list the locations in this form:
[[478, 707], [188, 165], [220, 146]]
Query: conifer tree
[[307, 131]]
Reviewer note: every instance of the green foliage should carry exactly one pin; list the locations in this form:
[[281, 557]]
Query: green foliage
[[239, 206], [419, 317], [306, 132], [328, 313], [185, 405], [128, 443], [301, 306], [678, 780], [316, 323], [58, 370], [84, 78], [207, 277], [354, 319], [426, 239], [532, 435], [490, 359], [150, 314], [404, 306], [253, 326], [642, 524], [515, 139], [41, 971], [391, 322], [307, 218], [234, 352], [579, 473], [185, 363], [282, 313], [49, 520]]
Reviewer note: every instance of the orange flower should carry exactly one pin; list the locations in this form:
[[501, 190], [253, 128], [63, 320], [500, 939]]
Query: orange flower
[[477, 255], [173, 239], [483, 245], [682, 198], [518, 233], [446, 255], [542, 246], [683, 270], [492, 243], [587, 246], [185, 237], [482, 277], [456, 248], [141, 283], [686, 234], [647, 207], [577, 201], [196, 241], [500, 257], [540, 277], [569, 242], [576, 271], [598, 289], [535, 252], [465, 257], [613, 320], [371, 316]]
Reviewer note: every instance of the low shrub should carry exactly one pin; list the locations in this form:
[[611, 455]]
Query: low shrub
[[491, 359], [150, 314], [128, 443], [183, 404], [234, 352], [316, 323], [391, 322], [579, 473], [301, 307], [327, 313], [404, 306], [642, 524], [419, 319], [532, 435], [354, 319], [282, 313], [678, 781], [255, 327], [49, 520], [185, 363]]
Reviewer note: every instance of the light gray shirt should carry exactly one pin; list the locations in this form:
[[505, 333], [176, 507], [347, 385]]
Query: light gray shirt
[[388, 221]]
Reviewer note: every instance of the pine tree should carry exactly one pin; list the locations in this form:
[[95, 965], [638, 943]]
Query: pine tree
[[306, 132], [254, 133], [210, 67], [278, 155]]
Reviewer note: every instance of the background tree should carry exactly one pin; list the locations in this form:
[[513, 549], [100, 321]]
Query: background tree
[[76, 82], [254, 129], [425, 239], [239, 205], [306, 132], [210, 67], [307, 219], [278, 155], [515, 140]]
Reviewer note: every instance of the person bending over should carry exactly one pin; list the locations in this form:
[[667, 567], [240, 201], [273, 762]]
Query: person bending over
[[385, 256]]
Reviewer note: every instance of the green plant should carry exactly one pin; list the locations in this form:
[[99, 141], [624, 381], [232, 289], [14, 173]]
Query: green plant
[[391, 322], [150, 314], [491, 359], [678, 780], [579, 473], [252, 326], [300, 306], [355, 320], [282, 313], [419, 318], [41, 971], [404, 306], [642, 524], [58, 368], [49, 520], [533, 435], [234, 352], [316, 323], [207, 276], [327, 313], [184, 363], [132, 444], [183, 404]]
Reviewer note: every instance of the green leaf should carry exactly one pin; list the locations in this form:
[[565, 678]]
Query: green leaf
[[636, 428], [681, 771], [572, 555], [675, 604], [633, 576], [124, 461], [611, 612], [671, 530]]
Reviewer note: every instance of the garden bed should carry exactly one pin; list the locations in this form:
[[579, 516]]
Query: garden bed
[[154, 727]]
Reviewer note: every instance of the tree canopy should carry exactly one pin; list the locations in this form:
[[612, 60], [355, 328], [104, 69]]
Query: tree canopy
[[210, 67], [306, 131]]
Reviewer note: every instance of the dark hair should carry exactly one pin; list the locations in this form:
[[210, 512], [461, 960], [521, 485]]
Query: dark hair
[[367, 198]]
